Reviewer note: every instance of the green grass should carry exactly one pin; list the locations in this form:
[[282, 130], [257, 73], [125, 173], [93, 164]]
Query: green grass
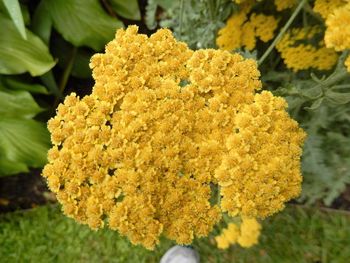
[[296, 235]]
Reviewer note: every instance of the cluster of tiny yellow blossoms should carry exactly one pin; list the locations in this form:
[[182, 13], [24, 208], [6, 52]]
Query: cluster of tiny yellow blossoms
[[337, 34], [162, 126], [285, 4], [241, 31], [246, 235], [326, 7], [297, 54]]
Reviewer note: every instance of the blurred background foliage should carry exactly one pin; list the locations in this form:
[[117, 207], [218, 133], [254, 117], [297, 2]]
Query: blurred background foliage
[[45, 47]]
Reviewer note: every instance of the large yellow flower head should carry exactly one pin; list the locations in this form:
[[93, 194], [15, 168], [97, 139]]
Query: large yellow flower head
[[162, 127], [326, 7]]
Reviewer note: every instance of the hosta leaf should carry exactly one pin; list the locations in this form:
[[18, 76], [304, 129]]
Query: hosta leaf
[[11, 167], [83, 22], [18, 55], [17, 104], [42, 22], [24, 143], [14, 84], [128, 9], [15, 12]]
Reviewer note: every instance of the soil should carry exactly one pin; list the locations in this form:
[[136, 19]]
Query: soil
[[24, 191]]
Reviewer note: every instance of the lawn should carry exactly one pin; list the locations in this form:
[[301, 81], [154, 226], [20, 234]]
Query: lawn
[[295, 235]]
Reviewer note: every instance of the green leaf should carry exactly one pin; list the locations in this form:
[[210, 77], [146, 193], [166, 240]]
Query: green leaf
[[128, 9], [24, 143], [11, 167], [83, 22], [17, 104], [18, 55], [14, 84], [15, 12], [42, 22], [337, 97], [315, 105]]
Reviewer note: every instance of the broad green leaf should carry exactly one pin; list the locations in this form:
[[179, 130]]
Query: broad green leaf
[[128, 9], [83, 22], [42, 22], [18, 55], [11, 167], [14, 84], [23, 142], [15, 12], [17, 104]]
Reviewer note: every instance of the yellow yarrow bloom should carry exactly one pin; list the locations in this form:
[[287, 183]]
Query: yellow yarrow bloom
[[249, 232], [140, 154], [298, 55], [326, 7], [285, 4], [337, 34], [246, 235], [243, 32]]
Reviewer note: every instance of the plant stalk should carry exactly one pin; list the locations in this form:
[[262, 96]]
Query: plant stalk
[[66, 73], [282, 32]]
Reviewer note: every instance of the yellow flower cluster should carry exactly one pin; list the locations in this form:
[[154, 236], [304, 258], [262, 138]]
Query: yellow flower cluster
[[162, 126], [285, 4], [246, 235], [337, 34], [297, 54], [261, 128], [326, 7], [240, 31]]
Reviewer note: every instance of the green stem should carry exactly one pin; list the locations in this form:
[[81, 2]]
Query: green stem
[[66, 73], [211, 10], [282, 32], [181, 16]]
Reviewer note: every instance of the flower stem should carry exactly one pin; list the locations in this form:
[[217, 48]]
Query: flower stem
[[65, 76], [281, 33], [181, 16]]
